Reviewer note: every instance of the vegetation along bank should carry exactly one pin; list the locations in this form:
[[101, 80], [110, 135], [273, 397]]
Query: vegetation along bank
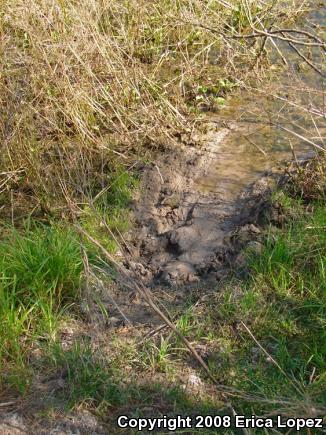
[[162, 212]]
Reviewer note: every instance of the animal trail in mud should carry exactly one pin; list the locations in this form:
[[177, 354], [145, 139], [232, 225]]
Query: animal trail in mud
[[185, 229]]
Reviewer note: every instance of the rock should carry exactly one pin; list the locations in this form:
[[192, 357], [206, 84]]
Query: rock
[[194, 381], [179, 271], [12, 424], [255, 247], [193, 384]]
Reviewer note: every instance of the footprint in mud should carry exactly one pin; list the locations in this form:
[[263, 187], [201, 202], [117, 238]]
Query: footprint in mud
[[199, 196]]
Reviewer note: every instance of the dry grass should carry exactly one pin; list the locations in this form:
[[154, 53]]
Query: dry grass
[[309, 182], [86, 83]]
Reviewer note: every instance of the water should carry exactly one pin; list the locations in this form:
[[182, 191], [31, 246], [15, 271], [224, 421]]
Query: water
[[260, 140]]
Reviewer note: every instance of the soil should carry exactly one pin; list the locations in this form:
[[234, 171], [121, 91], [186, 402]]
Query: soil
[[186, 239], [185, 233]]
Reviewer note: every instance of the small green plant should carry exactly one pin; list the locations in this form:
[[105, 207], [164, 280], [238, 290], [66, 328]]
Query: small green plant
[[39, 260], [158, 354], [243, 13], [185, 323], [121, 185], [215, 94]]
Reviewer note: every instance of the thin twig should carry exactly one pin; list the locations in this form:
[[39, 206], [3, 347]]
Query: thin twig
[[255, 145], [152, 334], [277, 34], [294, 155], [299, 136], [159, 173], [270, 357], [147, 296], [308, 62], [100, 283]]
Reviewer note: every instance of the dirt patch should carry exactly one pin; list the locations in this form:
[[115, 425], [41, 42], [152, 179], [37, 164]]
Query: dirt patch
[[82, 423], [185, 232]]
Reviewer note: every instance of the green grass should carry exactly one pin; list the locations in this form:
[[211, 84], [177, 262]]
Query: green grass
[[89, 379], [109, 217], [158, 355], [40, 271], [99, 381], [40, 275], [283, 305]]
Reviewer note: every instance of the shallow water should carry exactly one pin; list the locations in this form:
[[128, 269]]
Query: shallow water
[[255, 145]]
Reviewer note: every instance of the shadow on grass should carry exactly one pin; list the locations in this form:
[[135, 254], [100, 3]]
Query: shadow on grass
[[85, 394]]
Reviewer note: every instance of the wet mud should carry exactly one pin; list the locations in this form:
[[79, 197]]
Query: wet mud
[[192, 204]]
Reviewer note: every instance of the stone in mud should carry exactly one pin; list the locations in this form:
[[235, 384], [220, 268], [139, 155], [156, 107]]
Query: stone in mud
[[255, 247], [246, 233], [12, 424], [178, 271]]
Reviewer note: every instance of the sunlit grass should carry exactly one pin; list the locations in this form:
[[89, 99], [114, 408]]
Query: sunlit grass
[[40, 272], [282, 354], [109, 215]]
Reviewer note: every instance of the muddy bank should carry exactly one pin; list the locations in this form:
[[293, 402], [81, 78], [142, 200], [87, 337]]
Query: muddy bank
[[186, 231], [196, 198]]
